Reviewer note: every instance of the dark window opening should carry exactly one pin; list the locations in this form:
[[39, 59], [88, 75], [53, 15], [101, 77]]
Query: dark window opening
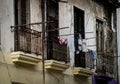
[[26, 39], [16, 12], [99, 36], [78, 25], [22, 12], [52, 15], [79, 29], [79, 22], [54, 49]]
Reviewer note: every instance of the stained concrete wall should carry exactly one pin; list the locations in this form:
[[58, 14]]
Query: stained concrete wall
[[6, 20], [33, 75], [92, 11], [35, 14]]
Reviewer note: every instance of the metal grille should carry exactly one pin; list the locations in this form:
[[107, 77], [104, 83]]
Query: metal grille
[[105, 65], [84, 60], [89, 60], [59, 52], [28, 40]]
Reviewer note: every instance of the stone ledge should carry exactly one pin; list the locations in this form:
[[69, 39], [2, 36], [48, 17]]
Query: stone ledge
[[56, 65], [21, 57], [82, 71]]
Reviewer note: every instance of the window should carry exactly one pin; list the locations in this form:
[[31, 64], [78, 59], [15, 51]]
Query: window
[[105, 60], [26, 39], [79, 29], [82, 59], [22, 12], [53, 47], [99, 36], [79, 22]]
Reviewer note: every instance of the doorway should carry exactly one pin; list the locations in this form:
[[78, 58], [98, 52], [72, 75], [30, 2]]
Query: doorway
[[79, 29]]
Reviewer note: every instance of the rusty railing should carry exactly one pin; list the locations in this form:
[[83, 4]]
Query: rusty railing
[[84, 60], [105, 64], [28, 40]]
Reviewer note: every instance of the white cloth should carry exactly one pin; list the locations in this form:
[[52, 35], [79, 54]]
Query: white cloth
[[80, 42], [84, 46]]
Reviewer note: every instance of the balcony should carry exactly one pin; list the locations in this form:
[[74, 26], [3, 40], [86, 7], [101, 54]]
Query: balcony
[[56, 65], [28, 46], [84, 64], [105, 65], [82, 71], [58, 60]]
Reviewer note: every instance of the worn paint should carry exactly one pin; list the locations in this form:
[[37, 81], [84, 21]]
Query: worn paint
[[33, 75]]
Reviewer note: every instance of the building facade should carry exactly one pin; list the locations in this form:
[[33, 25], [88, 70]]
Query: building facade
[[75, 40]]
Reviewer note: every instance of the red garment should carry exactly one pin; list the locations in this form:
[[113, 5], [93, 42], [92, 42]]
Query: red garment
[[62, 41]]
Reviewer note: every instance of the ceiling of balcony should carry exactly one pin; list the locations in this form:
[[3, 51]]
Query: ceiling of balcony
[[108, 3]]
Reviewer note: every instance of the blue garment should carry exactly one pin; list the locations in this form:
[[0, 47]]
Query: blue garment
[[94, 55]]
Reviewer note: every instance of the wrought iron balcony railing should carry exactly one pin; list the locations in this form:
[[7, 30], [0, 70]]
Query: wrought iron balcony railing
[[27, 40], [59, 52], [105, 65], [84, 60]]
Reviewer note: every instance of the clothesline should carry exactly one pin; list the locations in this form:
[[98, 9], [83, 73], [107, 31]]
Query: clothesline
[[56, 29], [37, 23]]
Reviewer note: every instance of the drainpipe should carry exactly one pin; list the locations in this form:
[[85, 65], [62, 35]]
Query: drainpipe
[[118, 41], [43, 8]]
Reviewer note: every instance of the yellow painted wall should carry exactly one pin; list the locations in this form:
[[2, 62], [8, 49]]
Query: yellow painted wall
[[11, 73]]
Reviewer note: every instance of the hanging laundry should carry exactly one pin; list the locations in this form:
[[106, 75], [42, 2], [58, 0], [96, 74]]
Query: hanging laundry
[[76, 43], [80, 42], [63, 41], [94, 55], [71, 46], [84, 46]]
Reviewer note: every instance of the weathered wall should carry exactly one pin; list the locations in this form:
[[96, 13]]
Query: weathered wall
[[6, 20], [92, 12], [33, 75], [35, 14]]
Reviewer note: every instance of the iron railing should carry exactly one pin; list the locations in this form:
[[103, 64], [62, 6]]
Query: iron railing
[[105, 65], [59, 52], [28, 40], [84, 60]]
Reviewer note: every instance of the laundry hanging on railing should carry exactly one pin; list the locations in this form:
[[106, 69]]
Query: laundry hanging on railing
[[75, 44], [84, 46], [94, 55], [80, 42], [62, 41]]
